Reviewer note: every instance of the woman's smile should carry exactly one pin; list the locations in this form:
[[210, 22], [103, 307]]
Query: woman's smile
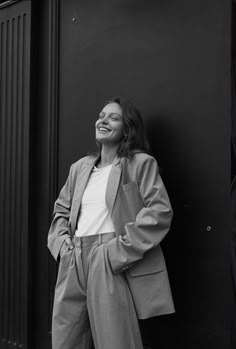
[[103, 129]]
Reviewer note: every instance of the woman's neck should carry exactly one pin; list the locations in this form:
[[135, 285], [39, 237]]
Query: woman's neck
[[107, 156]]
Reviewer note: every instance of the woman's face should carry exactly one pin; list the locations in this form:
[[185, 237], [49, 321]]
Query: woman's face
[[109, 126]]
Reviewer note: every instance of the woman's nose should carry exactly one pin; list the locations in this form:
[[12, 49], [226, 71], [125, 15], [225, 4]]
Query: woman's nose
[[105, 120]]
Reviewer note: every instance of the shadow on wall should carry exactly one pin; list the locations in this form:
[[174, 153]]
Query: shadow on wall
[[180, 246]]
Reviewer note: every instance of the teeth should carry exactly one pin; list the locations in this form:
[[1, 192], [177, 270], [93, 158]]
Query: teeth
[[103, 129]]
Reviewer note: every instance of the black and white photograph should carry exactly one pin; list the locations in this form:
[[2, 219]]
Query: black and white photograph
[[118, 174]]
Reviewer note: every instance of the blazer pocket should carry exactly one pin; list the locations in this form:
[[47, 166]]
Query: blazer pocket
[[152, 262], [131, 201], [130, 186]]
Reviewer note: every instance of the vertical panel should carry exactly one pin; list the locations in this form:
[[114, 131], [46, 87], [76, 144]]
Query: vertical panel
[[52, 132], [46, 20], [1, 175], [14, 178]]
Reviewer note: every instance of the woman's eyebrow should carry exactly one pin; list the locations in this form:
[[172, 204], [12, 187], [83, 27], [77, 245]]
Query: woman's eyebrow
[[116, 114], [102, 113]]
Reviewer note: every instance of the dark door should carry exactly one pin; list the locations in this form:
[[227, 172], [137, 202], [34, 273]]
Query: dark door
[[172, 59]]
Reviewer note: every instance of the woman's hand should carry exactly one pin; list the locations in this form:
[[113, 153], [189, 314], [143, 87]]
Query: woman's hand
[[66, 246], [69, 243]]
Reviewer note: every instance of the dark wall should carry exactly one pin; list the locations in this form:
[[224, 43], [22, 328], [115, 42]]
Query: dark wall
[[173, 59]]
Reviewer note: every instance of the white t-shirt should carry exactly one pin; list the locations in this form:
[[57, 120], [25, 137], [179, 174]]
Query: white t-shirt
[[94, 217]]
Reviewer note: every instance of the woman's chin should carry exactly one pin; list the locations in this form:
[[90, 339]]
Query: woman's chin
[[102, 140], [107, 142]]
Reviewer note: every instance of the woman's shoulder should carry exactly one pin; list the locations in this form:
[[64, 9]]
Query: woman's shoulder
[[142, 157], [140, 161], [83, 161]]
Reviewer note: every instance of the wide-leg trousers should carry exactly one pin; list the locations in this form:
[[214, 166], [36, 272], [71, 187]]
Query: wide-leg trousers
[[92, 306]]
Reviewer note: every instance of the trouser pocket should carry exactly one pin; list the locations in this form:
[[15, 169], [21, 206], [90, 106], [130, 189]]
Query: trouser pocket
[[65, 262]]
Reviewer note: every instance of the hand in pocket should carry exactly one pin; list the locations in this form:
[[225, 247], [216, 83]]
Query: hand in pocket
[[66, 246]]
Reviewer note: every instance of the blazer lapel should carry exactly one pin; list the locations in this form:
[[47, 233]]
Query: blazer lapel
[[113, 184], [79, 191]]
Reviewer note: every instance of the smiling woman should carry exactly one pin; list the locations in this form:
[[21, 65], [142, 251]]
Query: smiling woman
[[109, 219], [110, 125], [127, 118]]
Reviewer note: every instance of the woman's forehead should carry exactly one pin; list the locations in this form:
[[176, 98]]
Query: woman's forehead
[[112, 108]]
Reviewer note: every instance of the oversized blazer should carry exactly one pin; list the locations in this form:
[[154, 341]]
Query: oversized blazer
[[141, 213]]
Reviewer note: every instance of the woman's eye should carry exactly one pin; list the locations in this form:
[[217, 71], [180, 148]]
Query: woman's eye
[[115, 118]]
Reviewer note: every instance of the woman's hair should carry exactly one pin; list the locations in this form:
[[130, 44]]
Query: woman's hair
[[134, 139]]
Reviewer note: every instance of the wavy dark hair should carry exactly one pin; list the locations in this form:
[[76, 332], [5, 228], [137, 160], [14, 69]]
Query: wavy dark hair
[[134, 139]]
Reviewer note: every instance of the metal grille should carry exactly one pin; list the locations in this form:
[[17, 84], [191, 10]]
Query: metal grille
[[14, 173]]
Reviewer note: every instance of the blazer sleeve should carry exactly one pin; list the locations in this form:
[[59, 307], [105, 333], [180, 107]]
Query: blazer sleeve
[[58, 231], [152, 221]]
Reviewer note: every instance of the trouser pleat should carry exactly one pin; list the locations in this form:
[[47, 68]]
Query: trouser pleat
[[92, 306]]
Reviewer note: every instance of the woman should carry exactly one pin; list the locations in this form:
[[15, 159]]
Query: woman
[[109, 219]]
